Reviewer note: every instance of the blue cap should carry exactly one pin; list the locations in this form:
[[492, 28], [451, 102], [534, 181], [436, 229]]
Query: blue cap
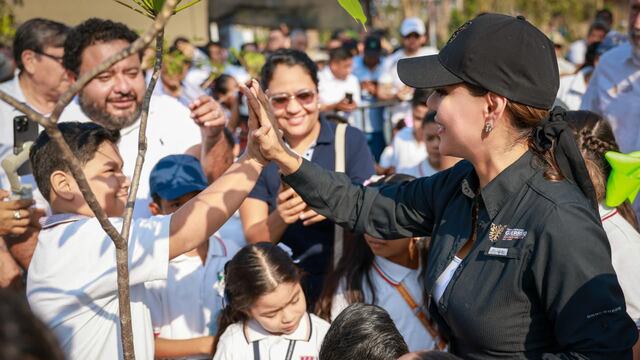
[[176, 175]]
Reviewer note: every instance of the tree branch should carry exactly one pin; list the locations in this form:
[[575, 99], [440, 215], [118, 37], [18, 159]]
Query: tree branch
[[50, 126]]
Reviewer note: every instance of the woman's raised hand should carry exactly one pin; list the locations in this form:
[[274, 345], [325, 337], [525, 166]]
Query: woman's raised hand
[[265, 139]]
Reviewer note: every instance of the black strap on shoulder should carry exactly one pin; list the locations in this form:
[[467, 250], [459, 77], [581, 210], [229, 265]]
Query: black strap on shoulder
[[256, 350], [292, 345]]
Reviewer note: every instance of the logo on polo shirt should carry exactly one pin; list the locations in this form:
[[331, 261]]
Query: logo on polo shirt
[[514, 234], [495, 231]]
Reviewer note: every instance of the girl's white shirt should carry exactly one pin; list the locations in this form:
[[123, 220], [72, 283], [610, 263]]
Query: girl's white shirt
[[625, 257], [385, 276], [237, 341]]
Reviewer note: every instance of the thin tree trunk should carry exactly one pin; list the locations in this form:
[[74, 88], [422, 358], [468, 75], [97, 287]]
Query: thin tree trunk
[[50, 125]]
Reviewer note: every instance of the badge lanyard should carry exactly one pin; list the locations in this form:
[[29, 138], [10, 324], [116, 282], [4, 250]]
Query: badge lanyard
[[440, 344], [289, 356]]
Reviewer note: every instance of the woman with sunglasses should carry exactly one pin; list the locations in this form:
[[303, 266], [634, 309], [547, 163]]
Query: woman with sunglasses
[[273, 212], [519, 266]]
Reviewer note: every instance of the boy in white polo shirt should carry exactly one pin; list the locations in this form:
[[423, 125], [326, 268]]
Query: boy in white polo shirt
[[185, 307], [71, 281]]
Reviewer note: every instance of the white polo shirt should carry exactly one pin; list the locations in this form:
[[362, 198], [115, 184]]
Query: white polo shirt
[[72, 283], [407, 151], [187, 304], [239, 341], [625, 252], [386, 276], [421, 170]]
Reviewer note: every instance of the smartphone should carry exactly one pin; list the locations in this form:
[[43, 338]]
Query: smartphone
[[349, 97], [24, 130]]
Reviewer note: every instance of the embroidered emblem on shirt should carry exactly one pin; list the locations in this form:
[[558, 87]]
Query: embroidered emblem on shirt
[[495, 231], [498, 251], [466, 189], [514, 234]]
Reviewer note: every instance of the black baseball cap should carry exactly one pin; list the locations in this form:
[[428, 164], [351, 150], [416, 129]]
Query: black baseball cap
[[503, 54], [372, 46]]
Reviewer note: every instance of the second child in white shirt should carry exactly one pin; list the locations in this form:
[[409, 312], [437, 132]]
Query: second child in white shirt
[[387, 274], [266, 311], [184, 308]]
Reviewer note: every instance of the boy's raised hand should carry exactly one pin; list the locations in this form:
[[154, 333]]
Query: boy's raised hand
[[265, 138]]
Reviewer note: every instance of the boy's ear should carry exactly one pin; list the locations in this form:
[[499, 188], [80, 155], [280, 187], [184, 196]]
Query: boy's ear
[[61, 185], [154, 209]]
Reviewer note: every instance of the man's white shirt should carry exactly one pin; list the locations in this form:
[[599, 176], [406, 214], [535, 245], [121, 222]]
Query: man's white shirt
[[407, 151], [72, 283]]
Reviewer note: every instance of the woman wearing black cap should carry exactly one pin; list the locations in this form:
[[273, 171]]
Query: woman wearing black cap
[[519, 264]]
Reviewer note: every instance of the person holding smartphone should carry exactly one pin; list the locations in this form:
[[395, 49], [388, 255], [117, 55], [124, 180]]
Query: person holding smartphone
[[339, 89]]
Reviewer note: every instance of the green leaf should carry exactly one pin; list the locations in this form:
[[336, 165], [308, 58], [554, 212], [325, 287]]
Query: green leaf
[[180, 8], [354, 9]]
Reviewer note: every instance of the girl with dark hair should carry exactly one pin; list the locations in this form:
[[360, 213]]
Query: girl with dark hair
[[275, 213], [595, 139], [265, 315], [519, 265], [383, 273]]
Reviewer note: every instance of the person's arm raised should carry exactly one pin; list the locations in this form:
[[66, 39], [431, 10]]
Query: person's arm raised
[[199, 218], [392, 212]]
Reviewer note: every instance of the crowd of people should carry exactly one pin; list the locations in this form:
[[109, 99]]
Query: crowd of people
[[351, 202]]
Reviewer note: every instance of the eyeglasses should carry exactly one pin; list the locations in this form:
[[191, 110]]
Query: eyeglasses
[[303, 97], [57, 59]]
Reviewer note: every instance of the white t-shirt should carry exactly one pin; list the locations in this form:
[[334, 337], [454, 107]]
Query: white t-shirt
[[170, 130], [72, 283], [572, 89], [187, 304], [445, 278], [421, 170], [332, 90], [386, 277], [407, 151], [625, 255], [237, 341], [232, 231]]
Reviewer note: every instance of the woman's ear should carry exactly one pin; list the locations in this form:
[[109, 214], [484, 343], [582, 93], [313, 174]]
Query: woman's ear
[[496, 106], [61, 185]]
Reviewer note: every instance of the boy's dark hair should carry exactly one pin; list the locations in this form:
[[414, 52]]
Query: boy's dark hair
[[434, 355], [420, 97], [289, 57], [256, 270], [339, 54], [23, 335], [599, 25], [35, 35], [363, 331], [90, 32], [83, 139]]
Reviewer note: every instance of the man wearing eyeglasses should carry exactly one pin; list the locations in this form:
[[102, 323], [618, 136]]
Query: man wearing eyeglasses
[[41, 78]]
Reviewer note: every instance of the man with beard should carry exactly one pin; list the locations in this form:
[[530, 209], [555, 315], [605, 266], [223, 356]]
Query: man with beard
[[114, 100], [614, 88]]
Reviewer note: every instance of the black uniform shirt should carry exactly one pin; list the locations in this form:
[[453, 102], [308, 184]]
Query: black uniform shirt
[[538, 281]]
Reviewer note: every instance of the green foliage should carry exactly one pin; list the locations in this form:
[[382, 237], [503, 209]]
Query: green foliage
[[151, 8], [251, 61], [174, 62], [7, 24], [354, 9]]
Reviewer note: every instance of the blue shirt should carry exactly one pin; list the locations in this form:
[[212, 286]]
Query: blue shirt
[[313, 244]]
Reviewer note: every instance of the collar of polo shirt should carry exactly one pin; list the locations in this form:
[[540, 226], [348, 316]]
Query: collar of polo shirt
[[390, 271], [253, 331]]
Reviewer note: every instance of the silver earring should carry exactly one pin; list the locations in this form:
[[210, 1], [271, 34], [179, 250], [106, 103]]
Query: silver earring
[[488, 127]]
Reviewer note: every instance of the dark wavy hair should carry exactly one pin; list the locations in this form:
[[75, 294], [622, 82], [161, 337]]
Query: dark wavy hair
[[595, 137], [288, 57], [256, 270], [356, 263], [90, 32]]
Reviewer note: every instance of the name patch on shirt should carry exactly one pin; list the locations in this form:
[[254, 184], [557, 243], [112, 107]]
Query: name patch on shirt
[[514, 234], [496, 251]]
